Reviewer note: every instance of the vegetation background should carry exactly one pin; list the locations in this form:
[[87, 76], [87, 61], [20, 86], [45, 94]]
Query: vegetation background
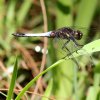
[[65, 81]]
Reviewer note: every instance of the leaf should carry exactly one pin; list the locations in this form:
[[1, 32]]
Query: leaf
[[88, 48]]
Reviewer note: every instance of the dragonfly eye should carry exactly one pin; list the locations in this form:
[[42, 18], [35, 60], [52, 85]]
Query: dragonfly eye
[[78, 35]]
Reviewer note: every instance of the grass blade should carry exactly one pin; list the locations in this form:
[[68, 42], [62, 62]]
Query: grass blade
[[12, 83], [88, 48], [48, 90]]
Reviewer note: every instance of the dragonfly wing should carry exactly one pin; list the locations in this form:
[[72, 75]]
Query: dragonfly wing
[[64, 47]]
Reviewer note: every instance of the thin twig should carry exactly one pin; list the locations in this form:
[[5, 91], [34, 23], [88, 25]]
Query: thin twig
[[30, 92], [45, 46]]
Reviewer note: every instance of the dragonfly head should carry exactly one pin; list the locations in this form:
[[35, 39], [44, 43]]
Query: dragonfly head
[[78, 35]]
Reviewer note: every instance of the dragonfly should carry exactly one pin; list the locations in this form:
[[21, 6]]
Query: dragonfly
[[66, 33]]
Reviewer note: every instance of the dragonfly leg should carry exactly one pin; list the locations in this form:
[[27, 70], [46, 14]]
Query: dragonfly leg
[[65, 44], [70, 53], [76, 43]]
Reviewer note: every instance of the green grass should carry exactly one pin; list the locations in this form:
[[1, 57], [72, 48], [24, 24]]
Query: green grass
[[26, 16], [13, 81]]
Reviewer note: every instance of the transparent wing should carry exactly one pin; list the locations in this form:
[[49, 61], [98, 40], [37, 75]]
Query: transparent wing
[[63, 50], [64, 47]]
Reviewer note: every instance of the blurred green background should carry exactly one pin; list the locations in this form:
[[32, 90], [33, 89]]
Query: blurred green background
[[66, 81]]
